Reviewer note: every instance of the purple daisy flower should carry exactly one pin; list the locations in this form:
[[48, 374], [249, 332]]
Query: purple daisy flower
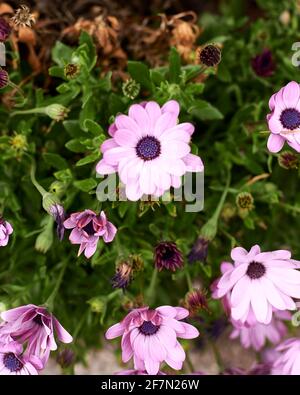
[[5, 231], [88, 227]]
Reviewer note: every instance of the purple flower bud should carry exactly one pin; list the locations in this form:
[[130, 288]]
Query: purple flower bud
[[5, 29], [263, 64], [58, 213], [199, 250], [5, 231]]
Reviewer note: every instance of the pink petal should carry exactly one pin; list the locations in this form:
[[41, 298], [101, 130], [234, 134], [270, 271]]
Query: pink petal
[[147, 184], [175, 134], [193, 163], [156, 351], [14, 314], [103, 168], [240, 291], [154, 112], [90, 250], [272, 102], [274, 124], [152, 367], [108, 144], [171, 106], [181, 313], [62, 334], [125, 137], [239, 254], [272, 294], [167, 311], [174, 167], [114, 331], [275, 143], [190, 332], [133, 191], [291, 94], [175, 149], [125, 122], [140, 115], [259, 302], [127, 351], [164, 122], [114, 155]]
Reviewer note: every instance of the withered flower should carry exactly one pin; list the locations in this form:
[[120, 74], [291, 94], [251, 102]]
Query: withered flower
[[210, 55], [23, 17], [123, 276]]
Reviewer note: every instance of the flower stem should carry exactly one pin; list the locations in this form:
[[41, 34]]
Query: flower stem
[[40, 110], [189, 280], [50, 301], [41, 190], [189, 362], [151, 289], [217, 355]]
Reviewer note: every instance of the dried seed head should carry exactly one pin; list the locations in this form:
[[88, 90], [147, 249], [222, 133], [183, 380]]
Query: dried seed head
[[244, 201], [71, 70], [210, 55], [131, 89], [4, 79], [196, 301], [123, 276], [288, 160], [23, 17], [168, 256]]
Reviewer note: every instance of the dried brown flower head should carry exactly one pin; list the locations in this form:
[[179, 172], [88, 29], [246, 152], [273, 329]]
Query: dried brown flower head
[[23, 17], [210, 55]]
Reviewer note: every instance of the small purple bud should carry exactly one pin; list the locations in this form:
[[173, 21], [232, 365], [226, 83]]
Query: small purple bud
[[199, 250], [5, 29], [263, 64], [58, 213]]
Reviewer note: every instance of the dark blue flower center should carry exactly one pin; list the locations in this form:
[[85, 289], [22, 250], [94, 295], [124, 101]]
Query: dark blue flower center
[[148, 148], [38, 320], [255, 270], [89, 228], [12, 363], [147, 328], [290, 118]]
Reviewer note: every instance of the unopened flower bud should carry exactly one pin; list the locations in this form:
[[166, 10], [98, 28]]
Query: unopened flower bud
[[57, 112], [65, 358], [5, 30], [288, 160], [131, 89], [98, 304], [199, 250], [71, 70], [196, 301]]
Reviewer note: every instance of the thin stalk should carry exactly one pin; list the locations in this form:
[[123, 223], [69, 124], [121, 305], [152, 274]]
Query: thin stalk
[[151, 289], [50, 301]]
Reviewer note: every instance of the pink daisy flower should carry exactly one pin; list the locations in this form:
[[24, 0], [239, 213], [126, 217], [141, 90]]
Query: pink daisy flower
[[13, 362], [132, 372], [258, 283], [284, 119], [150, 337], [35, 326], [288, 362], [149, 150], [5, 231], [88, 227], [257, 335]]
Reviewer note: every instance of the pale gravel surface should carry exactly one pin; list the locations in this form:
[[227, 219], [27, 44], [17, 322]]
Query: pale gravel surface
[[104, 361]]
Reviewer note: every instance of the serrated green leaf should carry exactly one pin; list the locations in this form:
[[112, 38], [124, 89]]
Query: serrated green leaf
[[75, 146]]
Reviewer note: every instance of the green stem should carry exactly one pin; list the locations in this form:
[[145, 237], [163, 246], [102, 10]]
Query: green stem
[[189, 362], [40, 110], [223, 198], [217, 355], [151, 289], [189, 280], [50, 301], [41, 190]]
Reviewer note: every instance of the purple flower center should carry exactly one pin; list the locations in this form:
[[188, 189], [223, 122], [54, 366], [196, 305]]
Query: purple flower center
[[12, 363], [290, 118], [255, 270], [147, 328], [148, 148], [38, 320], [89, 228]]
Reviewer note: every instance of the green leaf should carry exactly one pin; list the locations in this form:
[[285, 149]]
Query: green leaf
[[61, 53], [89, 48], [174, 66], [205, 111], [73, 128], [86, 185], [140, 73], [64, 175], [93, 127], [75, 146], [55, 160], [88, 159], [57, 71]]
